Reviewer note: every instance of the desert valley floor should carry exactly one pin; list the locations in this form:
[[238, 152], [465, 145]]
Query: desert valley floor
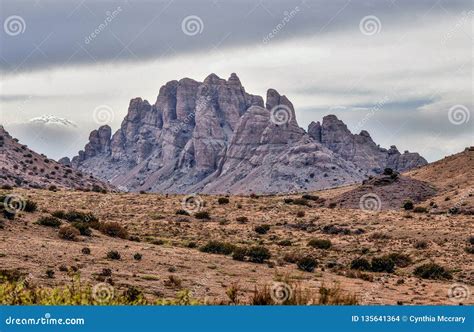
[[170, 243]]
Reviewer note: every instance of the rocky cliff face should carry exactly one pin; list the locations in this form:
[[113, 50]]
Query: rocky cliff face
[[214, 137]]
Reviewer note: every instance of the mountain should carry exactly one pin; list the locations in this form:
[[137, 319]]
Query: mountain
[[214, 137], [48, 134], [22, 167]]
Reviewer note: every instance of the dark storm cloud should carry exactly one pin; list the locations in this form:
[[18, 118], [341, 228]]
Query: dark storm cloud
[[59, 32]]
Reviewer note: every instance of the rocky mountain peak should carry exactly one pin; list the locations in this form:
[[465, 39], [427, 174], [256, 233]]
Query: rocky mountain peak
[[212, 136]]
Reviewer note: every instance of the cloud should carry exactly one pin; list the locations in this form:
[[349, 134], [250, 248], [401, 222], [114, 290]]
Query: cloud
[[414, 70]]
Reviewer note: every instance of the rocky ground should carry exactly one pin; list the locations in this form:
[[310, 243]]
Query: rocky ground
[[171, 259]]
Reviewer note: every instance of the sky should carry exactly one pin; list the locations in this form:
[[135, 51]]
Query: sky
[[400, 69]]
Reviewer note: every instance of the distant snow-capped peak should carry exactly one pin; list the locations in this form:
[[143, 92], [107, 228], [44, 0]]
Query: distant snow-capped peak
[[49, 120]]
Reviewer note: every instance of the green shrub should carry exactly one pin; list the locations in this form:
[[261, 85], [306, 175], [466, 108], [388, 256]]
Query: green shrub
[[49, 222], [59, 214], [68, 233], [301, 201], [217, 247], [310, 197], [420, 209], [73, 216], [360, 264], [223, 200], [432, 271], [262, 229], [202, 215], [258, 254], [114, 229], [30, 206], [400, 260], [320, 243], [408, 205], [307, 263], [182, 212], [382, 264], [239, 254], [83, 228], [242, 220], [113, 255]]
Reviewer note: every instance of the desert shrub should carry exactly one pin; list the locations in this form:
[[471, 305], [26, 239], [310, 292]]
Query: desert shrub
[[400, 260], [432, 271], [113, 255], [7, 187], [73, 216], [285, 243], [134, 238], [223, 200], [387, 171], [242, 220], [239, 254], [53, 188], [217, 247], [408, 205], [59, 214], [114, 229], [310, 197], [68, 233], [320, 243], [360, 264], [471, 239], [49, 222], [137, 257], [382, 264], [301, 201], [30, 206], [300, 214], [291, 257], [262, 229], [83, 228], [191, 245], [332, 229], [420, 209], [422, 244], [98, 189], [307, 263], [49, 273], [158, 242], [204, 215], [86, 251], [258, 254], [182, 212], [469, 249], [288, 200]]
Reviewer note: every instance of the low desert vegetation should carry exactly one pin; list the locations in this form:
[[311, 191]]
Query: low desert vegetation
[[432, 271], [69, 233], [320, 243], [49, 222]]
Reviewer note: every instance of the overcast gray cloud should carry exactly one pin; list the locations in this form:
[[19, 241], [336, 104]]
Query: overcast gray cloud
[[398, 81]]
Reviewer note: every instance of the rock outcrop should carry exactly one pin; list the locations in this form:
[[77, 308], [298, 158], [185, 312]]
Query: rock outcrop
[[214, 137], [22, 167]]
